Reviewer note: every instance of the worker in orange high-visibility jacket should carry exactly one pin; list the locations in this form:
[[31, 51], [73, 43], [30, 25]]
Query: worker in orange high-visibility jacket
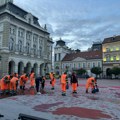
[[63, 83], [74, 82], [32, 79], [13, 85], [16, 75], [23, 80], [90, 83], [2, 85], [5, 81], [7, 84], [53, 80]]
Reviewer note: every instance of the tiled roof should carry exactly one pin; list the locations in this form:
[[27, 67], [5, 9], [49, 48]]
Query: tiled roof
[[111, 39], [87, 55], [18, 12]]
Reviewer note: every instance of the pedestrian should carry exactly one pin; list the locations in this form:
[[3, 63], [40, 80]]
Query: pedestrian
[[63, 83], [32, 79], [43, 82], [38, 81], [52, 80], [74, 82]]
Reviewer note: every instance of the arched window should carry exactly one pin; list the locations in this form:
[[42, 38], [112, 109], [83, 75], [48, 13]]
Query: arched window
[[20, 46], [11, 44]]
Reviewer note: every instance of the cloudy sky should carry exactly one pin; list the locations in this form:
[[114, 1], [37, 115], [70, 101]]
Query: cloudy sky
[[78, 22]]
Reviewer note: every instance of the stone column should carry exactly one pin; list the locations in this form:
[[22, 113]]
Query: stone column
[[16, 68]]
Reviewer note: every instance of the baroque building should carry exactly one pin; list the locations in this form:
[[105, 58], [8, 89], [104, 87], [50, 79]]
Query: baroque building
[[24, 44], [60, 50], [65, 58], [111, 53]]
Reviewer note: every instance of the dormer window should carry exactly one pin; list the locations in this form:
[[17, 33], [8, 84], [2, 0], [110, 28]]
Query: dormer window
[[29, 20]]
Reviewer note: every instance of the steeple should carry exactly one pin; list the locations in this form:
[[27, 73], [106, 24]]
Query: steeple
[[2, 2]]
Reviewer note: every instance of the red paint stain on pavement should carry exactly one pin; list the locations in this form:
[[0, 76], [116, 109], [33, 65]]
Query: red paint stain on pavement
[[81, 112], [45, 107], [118, 95], [116, 87], [13, 98]]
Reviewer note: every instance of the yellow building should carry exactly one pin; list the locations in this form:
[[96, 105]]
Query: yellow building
[[111, 53]]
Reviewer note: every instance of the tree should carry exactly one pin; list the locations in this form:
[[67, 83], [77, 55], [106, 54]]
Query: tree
[[96, 70], [116, 71], [81, 71]]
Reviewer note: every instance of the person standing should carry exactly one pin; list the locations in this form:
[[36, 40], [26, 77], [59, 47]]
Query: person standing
[[32, 79], [38, 81], [63, 83], [74, 82], [53, 80], [43, 82]]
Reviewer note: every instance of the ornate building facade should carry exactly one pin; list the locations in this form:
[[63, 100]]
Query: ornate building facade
[[111, 53], [65, 58], [60, 50], [24, 44]]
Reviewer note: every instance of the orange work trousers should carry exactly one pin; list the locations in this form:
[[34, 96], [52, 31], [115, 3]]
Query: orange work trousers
[[32, 82], [89, 85], [63, 85], [74, 86], [13, 86]]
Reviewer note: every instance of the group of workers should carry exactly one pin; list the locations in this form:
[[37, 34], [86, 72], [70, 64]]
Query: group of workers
[[91, 83], [10, 83]]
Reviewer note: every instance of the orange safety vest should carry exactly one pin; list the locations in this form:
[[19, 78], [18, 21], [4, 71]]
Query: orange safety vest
[[63, 78]]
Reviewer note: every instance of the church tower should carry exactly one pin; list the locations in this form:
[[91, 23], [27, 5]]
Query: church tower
[[2, 2]]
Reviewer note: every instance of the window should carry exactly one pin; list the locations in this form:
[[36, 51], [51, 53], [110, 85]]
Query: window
[[107, 50], [55, 57], [88, 65], [20, 46], [114, 58], [98, 64], [108, 58], [11, 44], [93, 64], [34, 49], [29, 20], [40, 50], [0, 58], [83, 65], [28, 48], [59, 55]]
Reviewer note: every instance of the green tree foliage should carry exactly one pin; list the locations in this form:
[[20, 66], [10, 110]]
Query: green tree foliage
[[81, 71], [96, 70], [116, 71]]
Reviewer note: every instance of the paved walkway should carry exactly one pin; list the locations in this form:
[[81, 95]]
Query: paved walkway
[[104, 105]]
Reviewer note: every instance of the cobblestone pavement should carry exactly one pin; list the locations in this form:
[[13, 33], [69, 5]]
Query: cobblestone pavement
[[104, 105]]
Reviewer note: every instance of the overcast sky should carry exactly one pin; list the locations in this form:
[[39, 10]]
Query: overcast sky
[[77, 22]]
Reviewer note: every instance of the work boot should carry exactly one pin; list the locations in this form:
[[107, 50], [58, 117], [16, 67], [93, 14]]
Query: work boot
[[86, 91], [15, 92], [11, 92], [63, 94], [52, 88], [75, 92]]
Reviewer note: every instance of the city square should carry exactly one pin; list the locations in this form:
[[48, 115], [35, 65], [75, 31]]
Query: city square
[[51, 105], [59, 60]]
